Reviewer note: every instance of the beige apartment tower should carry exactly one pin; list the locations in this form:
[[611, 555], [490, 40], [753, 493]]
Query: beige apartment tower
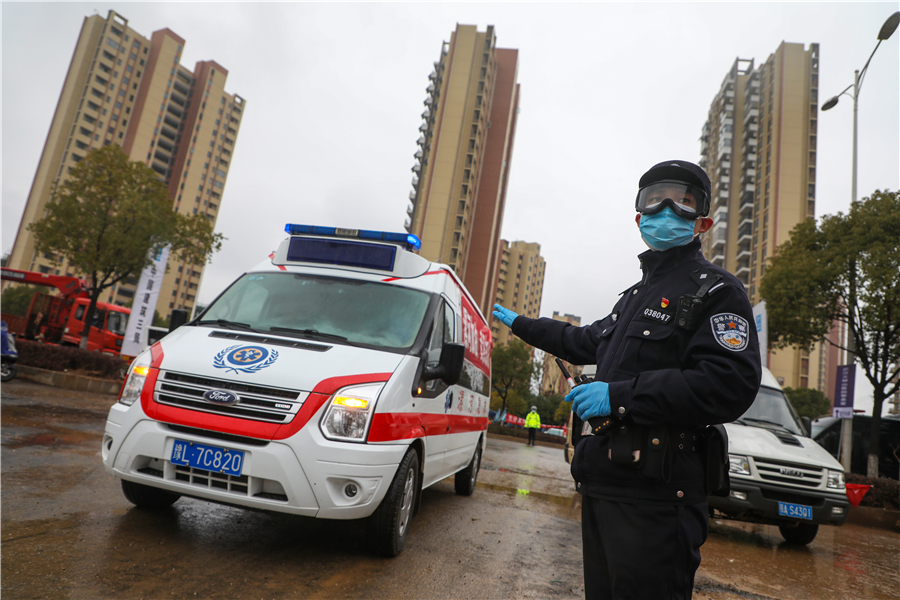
[[463, 159], [759, 147], [125, 89], [520, 284]]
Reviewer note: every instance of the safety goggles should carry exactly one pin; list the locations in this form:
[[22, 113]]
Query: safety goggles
[[687, 200]]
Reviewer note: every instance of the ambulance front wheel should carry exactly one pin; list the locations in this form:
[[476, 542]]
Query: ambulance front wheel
[[389, 524], [144, 496], [465, 479]]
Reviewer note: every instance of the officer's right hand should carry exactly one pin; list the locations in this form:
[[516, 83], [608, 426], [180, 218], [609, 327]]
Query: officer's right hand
[[505, 315], [590, 400]]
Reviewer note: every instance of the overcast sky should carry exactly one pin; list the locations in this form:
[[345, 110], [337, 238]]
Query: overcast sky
[[335, 94]]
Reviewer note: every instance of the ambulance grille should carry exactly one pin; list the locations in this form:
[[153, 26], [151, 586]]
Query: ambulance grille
[[778, 471], [257, 403]]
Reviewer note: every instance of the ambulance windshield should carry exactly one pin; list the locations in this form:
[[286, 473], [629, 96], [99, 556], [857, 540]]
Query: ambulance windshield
[[327, 309]]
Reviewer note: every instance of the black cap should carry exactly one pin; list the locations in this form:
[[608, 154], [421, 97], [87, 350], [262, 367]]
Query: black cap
[[679, 170]]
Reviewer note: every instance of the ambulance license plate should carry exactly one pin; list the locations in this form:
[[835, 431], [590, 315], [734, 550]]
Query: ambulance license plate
[[797, 511], [208, 458]]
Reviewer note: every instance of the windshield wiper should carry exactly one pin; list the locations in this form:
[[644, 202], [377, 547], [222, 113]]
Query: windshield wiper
[[764, 421], [227, 324], [311, 333]]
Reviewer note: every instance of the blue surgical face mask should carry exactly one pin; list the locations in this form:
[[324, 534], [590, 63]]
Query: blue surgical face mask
[[666, 230]]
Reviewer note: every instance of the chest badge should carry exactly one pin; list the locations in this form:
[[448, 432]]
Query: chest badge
[[664, 303], [657, 315], [731, 331]]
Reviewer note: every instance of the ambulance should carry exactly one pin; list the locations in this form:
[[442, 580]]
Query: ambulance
[[337, 379]]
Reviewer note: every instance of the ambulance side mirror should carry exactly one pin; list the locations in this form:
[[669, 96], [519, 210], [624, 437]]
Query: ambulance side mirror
[[177, 319], [449, 367]]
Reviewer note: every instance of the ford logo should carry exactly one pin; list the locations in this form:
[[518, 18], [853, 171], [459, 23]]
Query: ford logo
[[221, 397]]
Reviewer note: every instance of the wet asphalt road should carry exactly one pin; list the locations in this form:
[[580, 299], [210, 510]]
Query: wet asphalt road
[[67, 532]]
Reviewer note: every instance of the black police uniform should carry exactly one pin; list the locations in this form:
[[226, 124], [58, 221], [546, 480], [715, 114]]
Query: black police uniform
[[643, 523]]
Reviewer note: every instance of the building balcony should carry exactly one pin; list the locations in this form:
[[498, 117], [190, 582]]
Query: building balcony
[[746, 208], [748, 187], [748, 175], [720, 214], [412, 196], [718, 259], [744, 253], [417, 168]]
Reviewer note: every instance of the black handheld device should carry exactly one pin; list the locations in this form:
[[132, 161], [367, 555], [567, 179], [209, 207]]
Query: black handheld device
[[594, 425]]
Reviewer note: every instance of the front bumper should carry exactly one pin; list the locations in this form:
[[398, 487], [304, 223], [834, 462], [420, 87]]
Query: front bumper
[[761, 504], [305, 474]]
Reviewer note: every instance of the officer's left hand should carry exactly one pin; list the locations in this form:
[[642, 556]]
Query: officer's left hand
[[590, 400]]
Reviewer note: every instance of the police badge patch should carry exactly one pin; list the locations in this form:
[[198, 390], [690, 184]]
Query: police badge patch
[[730, 330]]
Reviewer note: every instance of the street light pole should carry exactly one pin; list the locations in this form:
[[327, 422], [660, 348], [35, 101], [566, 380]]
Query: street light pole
[[886, 31], [855, 110], [890, 25]]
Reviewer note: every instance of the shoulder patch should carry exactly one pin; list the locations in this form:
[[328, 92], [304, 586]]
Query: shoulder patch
[[730, 330]]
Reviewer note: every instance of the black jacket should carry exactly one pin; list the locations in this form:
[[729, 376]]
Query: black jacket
[[660, 375]]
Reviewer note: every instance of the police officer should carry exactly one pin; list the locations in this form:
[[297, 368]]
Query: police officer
[[677, 353], [532, 424]]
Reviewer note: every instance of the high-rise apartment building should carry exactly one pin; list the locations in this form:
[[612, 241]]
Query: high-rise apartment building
[[125, 89], [759, 147], [520, 284], [552, 381], [463, 160]]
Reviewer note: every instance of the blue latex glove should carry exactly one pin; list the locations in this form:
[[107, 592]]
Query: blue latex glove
[[505, 315], [590, 400]]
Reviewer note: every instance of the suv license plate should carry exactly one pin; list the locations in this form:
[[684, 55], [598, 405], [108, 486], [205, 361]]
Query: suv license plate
[[797, 511], [208, 458]]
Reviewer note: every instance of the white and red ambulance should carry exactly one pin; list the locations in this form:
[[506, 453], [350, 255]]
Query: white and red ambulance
[[336, 380]]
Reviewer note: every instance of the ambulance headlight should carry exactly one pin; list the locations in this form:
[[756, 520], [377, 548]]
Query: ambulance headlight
[[137, 375], [349, 412], [738, 465]]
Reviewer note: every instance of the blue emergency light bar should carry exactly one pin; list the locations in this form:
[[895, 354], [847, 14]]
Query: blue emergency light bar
[[409, 241], [360, 252]]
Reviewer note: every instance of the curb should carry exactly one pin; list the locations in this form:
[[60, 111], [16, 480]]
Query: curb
[[68, 381]]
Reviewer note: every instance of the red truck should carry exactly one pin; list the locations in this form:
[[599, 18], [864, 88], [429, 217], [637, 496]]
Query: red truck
[[59, 319]]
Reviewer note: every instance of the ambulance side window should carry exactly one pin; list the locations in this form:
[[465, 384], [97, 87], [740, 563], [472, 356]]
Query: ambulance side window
[[444, 331]]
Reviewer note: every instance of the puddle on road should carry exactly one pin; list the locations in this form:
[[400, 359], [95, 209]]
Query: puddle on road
[[842, 562], [567, 507]]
